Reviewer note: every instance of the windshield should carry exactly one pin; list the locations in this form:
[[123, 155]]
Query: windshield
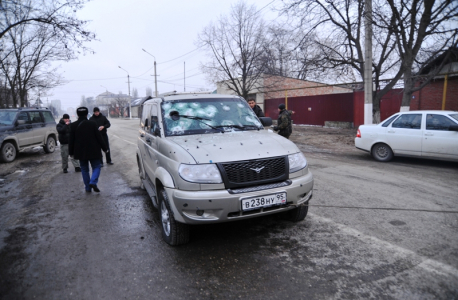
[[201, 116], [455, 116], [7, 117]]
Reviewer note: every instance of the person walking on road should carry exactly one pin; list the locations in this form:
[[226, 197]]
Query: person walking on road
[[63, 129], [284, 126], [103, 124], [257, 110], [86, 144]]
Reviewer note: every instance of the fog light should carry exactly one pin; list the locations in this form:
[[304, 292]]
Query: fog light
[[199, 212]]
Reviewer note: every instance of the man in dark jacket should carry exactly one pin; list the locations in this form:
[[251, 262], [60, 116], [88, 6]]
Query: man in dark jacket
[[102, 123], [284, 126], [63, 128], [257, 110], [86, 144]]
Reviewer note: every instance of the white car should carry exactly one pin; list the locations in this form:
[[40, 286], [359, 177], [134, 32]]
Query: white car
[[429, 134]]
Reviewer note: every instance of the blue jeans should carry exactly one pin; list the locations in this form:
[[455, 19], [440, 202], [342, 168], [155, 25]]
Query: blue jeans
[[96, 167]]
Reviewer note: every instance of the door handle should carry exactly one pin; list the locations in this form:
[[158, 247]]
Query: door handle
[[28, 126], [148, 140], [142, 135], [43, 125], [391, 131], [429, 134]]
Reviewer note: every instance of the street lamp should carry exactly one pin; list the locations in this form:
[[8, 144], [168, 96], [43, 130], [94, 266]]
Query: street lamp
[[155, 76], [106, 90], [128, 85]]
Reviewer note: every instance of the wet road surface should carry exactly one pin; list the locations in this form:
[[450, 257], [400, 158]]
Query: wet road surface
[[57, 242]]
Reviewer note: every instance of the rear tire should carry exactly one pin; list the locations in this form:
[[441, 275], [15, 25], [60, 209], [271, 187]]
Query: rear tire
[[50, 145], [297, 214], [174, 233], [382, 152], [8, 152]]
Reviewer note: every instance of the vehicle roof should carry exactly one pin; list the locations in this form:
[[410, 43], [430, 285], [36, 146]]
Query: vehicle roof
[[427, 111], [190, 97], [25, 108]]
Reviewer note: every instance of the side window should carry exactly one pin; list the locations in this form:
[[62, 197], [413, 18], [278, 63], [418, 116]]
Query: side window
[[154, 120], [388, 122], [23, 116], [35, 117], [410, 121], [438, 122], [145, 124], [48, 117]]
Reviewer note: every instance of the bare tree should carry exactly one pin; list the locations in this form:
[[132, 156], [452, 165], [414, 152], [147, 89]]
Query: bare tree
[[135, 93], [121, 101], [423, 30], [235, 44], [58, 15], [402, 30]]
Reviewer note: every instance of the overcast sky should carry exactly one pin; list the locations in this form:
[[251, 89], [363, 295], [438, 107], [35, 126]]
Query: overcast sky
[[166, 29]]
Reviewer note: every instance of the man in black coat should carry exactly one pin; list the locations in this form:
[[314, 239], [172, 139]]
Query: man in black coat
[[102, 123], [284, 124], [257, 110], [86, 144], [63, 129]]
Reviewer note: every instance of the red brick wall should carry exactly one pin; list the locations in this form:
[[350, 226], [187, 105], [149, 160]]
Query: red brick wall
[[430, 97], [297, 88]]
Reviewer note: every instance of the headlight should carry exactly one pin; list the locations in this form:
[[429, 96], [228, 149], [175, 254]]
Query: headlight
[[205, 173], [296, 162]]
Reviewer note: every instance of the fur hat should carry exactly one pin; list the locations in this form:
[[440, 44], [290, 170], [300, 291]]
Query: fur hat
[[65, 116], [96, 109], [82, 111], [282, 106]]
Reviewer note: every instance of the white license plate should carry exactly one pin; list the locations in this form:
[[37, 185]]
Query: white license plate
[[264, 201]]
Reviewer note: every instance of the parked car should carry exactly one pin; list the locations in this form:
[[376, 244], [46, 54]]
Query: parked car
[[22, 128], [426, 134], [208, 159]]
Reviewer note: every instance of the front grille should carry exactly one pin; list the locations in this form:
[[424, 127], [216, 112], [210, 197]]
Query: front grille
[[254, 172]]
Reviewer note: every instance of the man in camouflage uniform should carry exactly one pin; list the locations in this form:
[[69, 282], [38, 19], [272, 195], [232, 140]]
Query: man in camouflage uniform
[[284, 126]]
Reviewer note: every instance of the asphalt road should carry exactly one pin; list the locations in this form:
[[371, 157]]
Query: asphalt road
[[375, 230]]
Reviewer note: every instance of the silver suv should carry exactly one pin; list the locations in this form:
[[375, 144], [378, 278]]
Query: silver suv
[[22, 128], [208, 159]]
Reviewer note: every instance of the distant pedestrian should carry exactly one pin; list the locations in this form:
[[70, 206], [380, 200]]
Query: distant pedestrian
[[257, 110], [284, 126], [86, 144], [63, 129], [103, 124]]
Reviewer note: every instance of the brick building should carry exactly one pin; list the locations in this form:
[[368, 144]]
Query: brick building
[[273, 87]]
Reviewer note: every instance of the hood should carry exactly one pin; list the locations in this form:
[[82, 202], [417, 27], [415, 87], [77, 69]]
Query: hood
[[235, 146]]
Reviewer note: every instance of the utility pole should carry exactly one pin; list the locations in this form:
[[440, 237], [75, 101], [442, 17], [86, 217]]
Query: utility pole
[[368, 106], [155, 74], [128, 86], [184, 77]]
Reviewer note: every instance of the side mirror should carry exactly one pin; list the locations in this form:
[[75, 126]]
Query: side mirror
[[453, 128], [157, 131], [20, 122], [266, 121]]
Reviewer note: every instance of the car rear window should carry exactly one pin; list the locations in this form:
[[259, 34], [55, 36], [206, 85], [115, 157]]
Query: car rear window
[[455, 116], [48, 117], [388, 122]]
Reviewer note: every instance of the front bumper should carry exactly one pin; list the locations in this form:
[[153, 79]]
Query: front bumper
[[215, 206]]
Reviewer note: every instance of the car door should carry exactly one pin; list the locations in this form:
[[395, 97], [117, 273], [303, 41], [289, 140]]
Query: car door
[[438, 141], [23, 129], [150, 140], [404, 135], [38, 127]]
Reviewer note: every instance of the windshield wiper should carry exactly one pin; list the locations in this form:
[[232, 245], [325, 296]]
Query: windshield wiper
[[241, 127], [176, 116]]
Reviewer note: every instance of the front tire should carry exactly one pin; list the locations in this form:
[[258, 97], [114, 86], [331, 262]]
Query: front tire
[[297, 214], [8, 152], [50, 145], [382, 152], [174, 233]]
